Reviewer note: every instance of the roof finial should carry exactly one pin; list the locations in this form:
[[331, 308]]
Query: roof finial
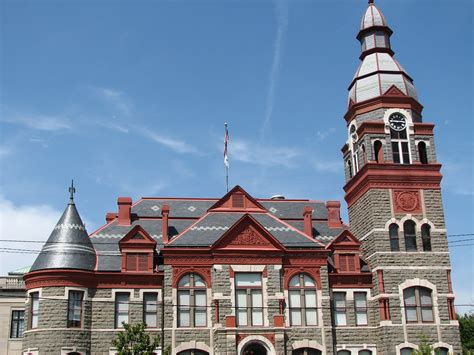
[[72, 190]]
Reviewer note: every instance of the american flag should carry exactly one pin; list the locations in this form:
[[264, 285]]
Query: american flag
[[226, 140]]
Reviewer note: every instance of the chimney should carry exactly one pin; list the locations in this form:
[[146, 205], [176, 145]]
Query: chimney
[[110, 216], [334, 214], [308, 220], [165, 211], [124, 211]]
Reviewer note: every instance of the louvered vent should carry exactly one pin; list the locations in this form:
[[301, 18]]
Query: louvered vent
[[238, 201]]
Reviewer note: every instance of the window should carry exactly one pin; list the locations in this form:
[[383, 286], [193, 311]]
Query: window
[[306, 351], [418, 305], [365, 352], [343, 352], [150, 309], [249, 299], [441, 351], [393, 232], [400, 147], [193, 352], [349, 168], [340, 308], [360, 305], [378, 151], [423, 156], [302, 296], [74, 314], [34, 310], [426, 237], [410, 236], [122, 306], [363, 156], [17, 324], [192, 301], [406, 351], [347, 262], [137, 261]]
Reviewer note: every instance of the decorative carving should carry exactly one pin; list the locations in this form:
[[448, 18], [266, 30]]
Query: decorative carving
[[249, 237], [406, 201]]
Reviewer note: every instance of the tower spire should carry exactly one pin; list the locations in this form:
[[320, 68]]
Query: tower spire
[[72, 191]]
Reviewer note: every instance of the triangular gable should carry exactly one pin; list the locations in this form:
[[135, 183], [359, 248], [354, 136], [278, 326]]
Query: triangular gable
[[247, 234], [237, 199], [137, 237], [345, 240], [394, 91]]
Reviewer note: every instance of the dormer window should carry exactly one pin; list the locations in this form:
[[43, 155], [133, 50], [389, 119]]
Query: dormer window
[[138, 251], [347, 263], [137, 261]]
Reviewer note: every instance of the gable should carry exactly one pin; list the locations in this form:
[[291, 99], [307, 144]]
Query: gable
[[247, 234], [137, 237], [237, 199], [393, 91], [346, 241]]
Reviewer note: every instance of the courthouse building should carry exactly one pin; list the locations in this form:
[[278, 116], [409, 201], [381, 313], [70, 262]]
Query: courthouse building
[[241, 275]]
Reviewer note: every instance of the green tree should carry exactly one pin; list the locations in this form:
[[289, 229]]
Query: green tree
[[133, 340], [424, 348], [466, 328]]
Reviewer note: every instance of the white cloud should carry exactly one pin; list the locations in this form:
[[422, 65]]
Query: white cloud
[[113, 97], [24, 223], [281, 14], [328, 166], [172, 143], [114, 127], [39, 122], [266, 156]]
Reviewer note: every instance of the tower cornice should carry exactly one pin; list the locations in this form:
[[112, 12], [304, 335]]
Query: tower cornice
[[390, 176]]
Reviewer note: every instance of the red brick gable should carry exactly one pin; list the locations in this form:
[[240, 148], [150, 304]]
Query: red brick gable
[[237, 199]]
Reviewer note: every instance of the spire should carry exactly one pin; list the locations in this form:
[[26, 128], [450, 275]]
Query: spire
[[68, 246], [379, 71], [72, 191]]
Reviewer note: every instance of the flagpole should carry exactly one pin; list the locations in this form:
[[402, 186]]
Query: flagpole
[[226, 159]]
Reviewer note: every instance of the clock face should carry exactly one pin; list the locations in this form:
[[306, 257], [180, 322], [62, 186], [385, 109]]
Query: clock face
[[397, 121]]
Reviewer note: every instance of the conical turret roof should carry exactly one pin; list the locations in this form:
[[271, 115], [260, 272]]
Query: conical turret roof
[[68, 246]]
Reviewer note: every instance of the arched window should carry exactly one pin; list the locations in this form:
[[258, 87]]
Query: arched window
[[423, 155], [306, 351], [400, 147], [410, 235], [302, 296], [394, 242], [343, 352], [441, 351], [418, 305], [191, 301], [426, 237], [378, 151], [365, 352], [406, 351], [193, 352], [363, 157]]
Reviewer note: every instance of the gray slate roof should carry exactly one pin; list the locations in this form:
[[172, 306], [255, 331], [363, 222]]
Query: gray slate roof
[[68, 246]]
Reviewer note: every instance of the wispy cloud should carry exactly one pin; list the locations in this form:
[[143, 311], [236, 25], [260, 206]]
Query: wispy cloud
[[113, 126], [322, 135], [38, 122], [175, 144], [327, 166], [114, 98], [281, 14], [266, 156]]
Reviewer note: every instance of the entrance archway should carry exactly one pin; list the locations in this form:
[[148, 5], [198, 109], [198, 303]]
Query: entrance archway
[[254, 348]]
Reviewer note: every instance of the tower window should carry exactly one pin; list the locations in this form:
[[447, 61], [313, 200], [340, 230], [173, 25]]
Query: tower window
[[423, 156], [363, 157], [393, 233], [75, 309], [418, 305], [400, 146], [34, 310], [349, 168], [410, 236], [426, 237], [378, 151]]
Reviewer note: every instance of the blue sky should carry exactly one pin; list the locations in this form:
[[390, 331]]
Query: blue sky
[[129, 98]]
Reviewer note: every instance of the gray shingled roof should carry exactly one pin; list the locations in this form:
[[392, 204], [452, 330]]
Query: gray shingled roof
[[294, 209], [151, 207], [211, 227], [68, 246], [321, 231], [106, 240]]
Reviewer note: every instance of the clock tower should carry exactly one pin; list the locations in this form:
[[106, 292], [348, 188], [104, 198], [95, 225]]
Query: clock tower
[[394, 198]]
